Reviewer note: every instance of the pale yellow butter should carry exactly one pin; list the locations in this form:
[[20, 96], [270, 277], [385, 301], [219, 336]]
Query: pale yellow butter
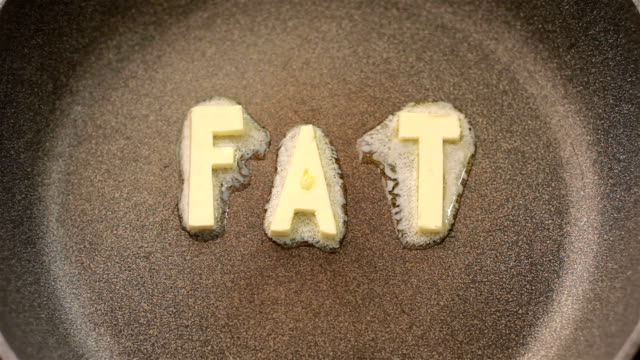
[[430, 130], [305, 190], [208, 121], [406, 152]]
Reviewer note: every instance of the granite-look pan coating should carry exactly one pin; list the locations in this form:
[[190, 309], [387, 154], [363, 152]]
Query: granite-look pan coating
[[542, 262]]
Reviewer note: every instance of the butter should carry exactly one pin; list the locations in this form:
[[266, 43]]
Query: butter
[[305, 190], [424, 152], [430, 130], [207, 122]]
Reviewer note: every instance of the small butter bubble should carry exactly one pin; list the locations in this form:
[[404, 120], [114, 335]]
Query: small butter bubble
[[307, 180]]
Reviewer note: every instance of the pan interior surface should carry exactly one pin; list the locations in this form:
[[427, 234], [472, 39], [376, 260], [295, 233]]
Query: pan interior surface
[[541, 263]]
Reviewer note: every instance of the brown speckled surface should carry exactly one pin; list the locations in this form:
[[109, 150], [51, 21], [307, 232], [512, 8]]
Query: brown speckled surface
[[540, 263]]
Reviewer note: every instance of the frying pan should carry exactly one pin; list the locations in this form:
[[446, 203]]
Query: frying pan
[[544, 259]]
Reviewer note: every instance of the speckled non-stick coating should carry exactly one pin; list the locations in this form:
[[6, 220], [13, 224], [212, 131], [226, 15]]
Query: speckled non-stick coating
[[543, 261]]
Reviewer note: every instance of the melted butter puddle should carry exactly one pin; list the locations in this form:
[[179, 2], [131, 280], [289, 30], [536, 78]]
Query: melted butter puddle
[[399, 161]]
